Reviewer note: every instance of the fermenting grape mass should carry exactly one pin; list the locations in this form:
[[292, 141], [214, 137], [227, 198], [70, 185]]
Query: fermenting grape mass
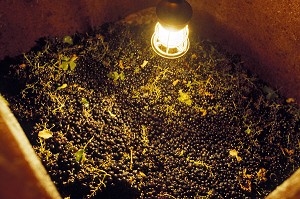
[[109, 118]]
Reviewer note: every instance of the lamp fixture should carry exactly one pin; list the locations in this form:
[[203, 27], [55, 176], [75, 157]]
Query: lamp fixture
[[170, 38]]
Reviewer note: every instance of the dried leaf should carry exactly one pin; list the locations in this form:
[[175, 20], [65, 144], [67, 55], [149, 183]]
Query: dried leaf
[[175, 82], [234, 153], [121, 65], [46, 134], [289, 151], [261, 174], [144, 63], [73, 58], [290, 100], [185, 98]]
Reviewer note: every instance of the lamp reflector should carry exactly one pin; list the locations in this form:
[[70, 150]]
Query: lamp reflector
[[170, 43]]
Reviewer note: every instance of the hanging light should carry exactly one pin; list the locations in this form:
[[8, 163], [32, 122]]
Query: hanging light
[[170, 38]]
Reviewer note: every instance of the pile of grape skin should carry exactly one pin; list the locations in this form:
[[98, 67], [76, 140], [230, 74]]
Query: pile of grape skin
[[111, 119]]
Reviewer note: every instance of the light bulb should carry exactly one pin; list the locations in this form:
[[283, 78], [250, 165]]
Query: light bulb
[[170, 38], [169, 42]]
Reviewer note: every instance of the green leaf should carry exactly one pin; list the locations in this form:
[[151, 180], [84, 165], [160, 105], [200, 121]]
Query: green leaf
[[68, 40], [64, 65], [84, 102], [184, 98], [188, 102], [115, 76], [72, 65], [248, 130], [122, 76], [189, 84], [80, 156], [136, 70], [65, 59]]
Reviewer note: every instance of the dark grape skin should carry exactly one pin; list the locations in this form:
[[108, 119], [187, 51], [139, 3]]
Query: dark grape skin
[[149, 143]]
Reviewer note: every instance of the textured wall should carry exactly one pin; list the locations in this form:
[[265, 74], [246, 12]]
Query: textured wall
[[266, 33], [23, 22], [22, 173]]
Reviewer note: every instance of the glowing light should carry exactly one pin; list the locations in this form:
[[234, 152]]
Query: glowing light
[[170, 43]]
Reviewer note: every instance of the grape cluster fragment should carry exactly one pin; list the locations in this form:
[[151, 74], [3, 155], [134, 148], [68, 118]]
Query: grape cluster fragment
[[111, 119]]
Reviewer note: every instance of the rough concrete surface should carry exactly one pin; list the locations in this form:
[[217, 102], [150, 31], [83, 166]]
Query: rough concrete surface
[[24, 22], [22, 173], [289, 189], [265, 33]]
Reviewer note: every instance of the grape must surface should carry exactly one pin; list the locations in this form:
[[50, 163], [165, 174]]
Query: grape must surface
[[111, 119]]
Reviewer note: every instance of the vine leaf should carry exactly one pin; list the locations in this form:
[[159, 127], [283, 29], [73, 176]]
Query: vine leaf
[[80, 156], [67, 62], [68, 39], [185, 98], [46, 134], [72, 65], [84, 102], [234, 153], [116, 76]]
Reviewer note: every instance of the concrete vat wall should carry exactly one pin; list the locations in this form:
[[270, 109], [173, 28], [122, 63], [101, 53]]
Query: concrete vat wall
[[22, 173], [23, 22], [266, 33]]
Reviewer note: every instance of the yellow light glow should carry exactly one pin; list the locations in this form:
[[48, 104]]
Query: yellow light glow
[[170, 43]]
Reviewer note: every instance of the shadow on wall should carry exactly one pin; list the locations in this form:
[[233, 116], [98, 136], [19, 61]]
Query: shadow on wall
[[24, 22], [266, 35], [207, 26]]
